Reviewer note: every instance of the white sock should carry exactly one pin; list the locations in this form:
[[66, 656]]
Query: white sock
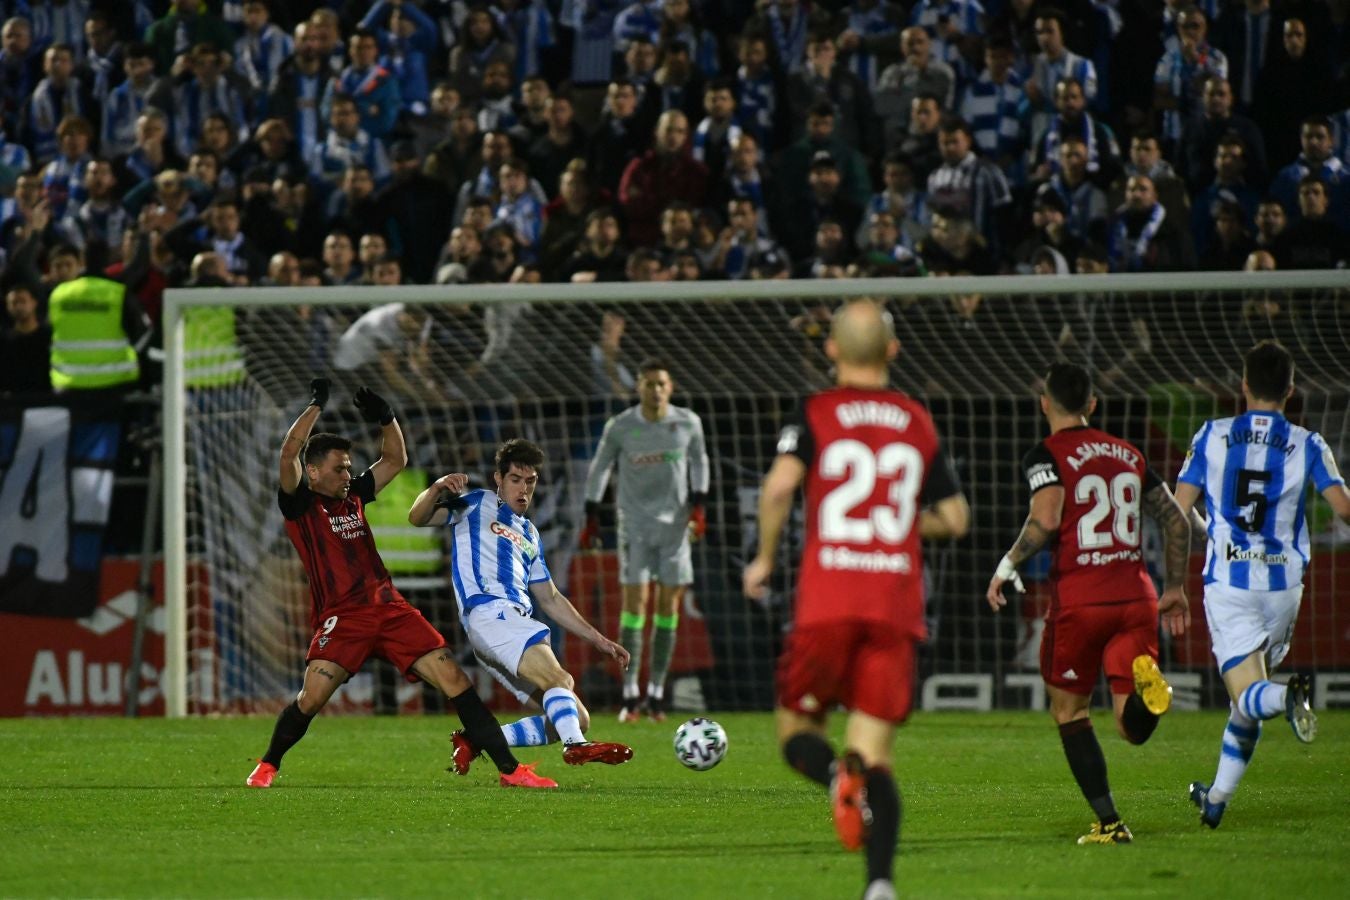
[[1262, 700], [560, 705], [1239, 743], [655, 691]]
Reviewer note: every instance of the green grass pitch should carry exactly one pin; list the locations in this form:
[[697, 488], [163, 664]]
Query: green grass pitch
[[364, 808]]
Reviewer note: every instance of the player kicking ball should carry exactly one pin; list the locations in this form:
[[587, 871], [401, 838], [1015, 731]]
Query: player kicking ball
[[1253, 472], [497, 561], [1087, 489]]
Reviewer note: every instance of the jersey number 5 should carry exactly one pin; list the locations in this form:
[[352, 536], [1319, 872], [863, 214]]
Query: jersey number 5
[[1122, 496], [890, 522]]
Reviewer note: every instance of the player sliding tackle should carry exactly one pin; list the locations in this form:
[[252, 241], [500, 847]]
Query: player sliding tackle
[[1253, 472], [1087, 488], [356, 611], [497, 560]]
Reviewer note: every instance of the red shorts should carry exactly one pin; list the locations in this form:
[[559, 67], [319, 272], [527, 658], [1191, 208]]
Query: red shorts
[[865, 668], [1080, 640], [395, 632]]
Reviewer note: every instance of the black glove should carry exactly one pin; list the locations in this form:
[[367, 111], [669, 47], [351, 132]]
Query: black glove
[[319, 386], [372, 406]]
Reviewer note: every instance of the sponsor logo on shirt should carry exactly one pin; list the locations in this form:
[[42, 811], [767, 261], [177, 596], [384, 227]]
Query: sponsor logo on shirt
[[1042, 474], [523, 544], [655, 459], [1097, 558], [853, 561], [348, 527], [1234, 553]]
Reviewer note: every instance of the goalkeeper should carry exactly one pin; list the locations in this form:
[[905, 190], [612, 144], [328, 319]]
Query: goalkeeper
[[662, 488], [356, 612]]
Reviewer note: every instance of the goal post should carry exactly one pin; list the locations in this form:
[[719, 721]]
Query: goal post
[[531, 360]]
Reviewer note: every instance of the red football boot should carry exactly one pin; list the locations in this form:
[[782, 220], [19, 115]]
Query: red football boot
[[462, 754], [848, 795], [597, 751], [525, 776], [262, 776]]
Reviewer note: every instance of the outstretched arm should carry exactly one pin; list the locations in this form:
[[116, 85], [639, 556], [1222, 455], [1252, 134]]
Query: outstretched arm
[[1047, 507], [1339, 498], [428, 508], [294, 443], [1176, 528], [393, 450], [558, 608]]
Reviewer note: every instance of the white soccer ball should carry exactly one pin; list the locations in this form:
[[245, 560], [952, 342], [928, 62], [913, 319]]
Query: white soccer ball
[[700, 744]]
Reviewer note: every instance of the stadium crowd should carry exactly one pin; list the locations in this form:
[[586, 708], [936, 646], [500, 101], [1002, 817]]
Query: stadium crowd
[[333, 142]]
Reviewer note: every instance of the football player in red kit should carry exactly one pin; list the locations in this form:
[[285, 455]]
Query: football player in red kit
[[875, 482], [1087, 490]]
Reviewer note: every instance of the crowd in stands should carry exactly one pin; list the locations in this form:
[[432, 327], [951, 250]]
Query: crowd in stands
[[264, 142]]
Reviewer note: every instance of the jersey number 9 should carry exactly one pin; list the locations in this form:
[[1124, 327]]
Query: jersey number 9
[[889, 522]]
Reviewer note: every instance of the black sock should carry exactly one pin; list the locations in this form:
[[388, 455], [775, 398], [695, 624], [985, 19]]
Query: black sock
[[811, 755], [1089, 767], [883, 838], [1137, 721], [290, 728], [484, 731]]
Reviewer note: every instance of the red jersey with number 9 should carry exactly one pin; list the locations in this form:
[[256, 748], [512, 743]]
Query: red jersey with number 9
[[1098, 557], [873, 461]]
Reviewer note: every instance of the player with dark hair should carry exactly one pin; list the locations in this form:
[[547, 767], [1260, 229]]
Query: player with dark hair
[[356, 612], [499, 573], [660, 496], [875, 482], [1087, 489], [1253, 472]]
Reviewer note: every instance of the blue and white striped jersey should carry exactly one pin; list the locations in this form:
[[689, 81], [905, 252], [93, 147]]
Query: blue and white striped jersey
[[494, 553], [1254, 470]]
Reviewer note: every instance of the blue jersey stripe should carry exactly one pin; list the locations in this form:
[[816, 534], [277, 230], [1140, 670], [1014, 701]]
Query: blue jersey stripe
[[1235, 459], [1275, 465], [506, 559], [475, 523], [1310, 454]]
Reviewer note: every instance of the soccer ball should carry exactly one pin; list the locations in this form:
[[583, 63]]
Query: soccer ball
[[700, 744]]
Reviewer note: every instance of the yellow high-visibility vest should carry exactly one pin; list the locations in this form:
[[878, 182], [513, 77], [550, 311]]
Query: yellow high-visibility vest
[[211, 354], [90, 349], [405, 549]]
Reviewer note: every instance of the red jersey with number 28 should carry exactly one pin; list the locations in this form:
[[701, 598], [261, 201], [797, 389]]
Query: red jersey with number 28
[[1098, 557], [873, 461], [337, 548]]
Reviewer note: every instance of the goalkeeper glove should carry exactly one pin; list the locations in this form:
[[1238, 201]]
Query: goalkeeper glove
[[319, 389], [698, 522], [589, 538], [372, 406]]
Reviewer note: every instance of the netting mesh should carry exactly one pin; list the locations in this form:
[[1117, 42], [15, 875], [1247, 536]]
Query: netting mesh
[[464, 376]]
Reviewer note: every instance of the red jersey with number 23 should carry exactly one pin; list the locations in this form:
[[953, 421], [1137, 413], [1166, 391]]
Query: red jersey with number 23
[[873, 461], [337, 548], [1098, 557]]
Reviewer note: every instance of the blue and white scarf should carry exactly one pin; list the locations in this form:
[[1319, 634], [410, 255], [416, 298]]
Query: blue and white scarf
[[1128, 255]]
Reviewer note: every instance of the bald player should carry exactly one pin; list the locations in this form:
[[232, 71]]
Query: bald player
[[875, 482]]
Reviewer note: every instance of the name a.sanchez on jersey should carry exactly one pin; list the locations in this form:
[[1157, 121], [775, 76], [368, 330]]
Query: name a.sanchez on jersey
[[1090, 450]]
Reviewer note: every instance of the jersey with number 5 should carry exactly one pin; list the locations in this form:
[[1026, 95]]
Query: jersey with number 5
[[873, 461], [1254, 471], [1098, 557]]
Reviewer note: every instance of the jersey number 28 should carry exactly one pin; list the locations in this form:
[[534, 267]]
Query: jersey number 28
[[889, 522], [1120, 497]]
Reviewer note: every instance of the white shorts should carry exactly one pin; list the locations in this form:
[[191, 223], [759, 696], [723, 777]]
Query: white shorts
[[500, 632], [1242, 621], [655, 552]]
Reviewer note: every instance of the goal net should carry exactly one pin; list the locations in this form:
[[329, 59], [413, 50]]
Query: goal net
[[468, 367]]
